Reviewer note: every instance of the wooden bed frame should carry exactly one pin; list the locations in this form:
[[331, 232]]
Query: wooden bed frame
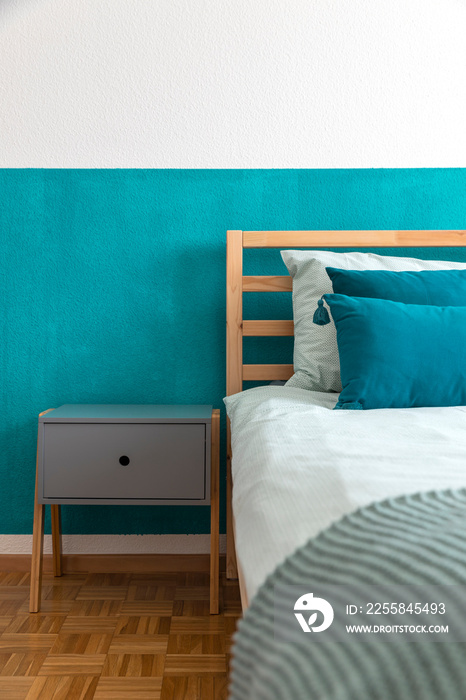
[[237, 327]]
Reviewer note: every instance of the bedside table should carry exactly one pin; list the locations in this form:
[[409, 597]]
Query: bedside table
[[125, 455]]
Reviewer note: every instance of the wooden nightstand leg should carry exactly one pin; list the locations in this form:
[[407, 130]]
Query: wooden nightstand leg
[[37, 540], [56, 540], [37, 549], [214, 512]]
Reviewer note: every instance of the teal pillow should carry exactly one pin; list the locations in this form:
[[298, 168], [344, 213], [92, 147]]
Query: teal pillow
[[436, 287], [395, 355]]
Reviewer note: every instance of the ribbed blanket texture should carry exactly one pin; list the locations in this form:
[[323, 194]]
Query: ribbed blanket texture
[[418, 539]]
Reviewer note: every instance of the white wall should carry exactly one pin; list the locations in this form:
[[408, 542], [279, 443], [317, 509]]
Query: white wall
[[232, 83]]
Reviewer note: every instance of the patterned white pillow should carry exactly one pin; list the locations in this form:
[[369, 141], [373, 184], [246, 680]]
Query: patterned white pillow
[[316, 360]]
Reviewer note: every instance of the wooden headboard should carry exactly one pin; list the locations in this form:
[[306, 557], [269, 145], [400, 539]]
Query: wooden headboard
[[238, 328]]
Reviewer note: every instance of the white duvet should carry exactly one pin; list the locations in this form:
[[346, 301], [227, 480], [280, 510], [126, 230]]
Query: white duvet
[[298, 465]]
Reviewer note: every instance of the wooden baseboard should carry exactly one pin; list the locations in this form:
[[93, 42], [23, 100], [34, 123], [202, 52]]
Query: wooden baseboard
[[114, 563]]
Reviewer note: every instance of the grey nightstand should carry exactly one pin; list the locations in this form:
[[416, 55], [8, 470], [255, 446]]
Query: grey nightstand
[[127, 455]]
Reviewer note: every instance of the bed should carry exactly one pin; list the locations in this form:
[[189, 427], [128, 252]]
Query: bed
[[295, 466]]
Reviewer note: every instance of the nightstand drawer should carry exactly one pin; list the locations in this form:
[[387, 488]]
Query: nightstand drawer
[[160, 461]]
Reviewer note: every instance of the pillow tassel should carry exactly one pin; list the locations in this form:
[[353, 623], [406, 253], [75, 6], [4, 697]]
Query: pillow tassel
[[321, 317]]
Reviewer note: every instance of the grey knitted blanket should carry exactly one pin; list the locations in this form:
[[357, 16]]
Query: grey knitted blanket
[[418, 539]]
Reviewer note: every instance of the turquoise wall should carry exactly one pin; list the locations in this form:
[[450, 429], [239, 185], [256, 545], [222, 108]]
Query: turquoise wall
[[113, 290]]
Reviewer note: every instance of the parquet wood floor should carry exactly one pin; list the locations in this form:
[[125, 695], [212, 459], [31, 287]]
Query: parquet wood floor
[[116, 637]]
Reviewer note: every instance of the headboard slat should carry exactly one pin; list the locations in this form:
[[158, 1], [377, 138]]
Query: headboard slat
[[267, 283], [259, 373], [267, 327], [352, 239]]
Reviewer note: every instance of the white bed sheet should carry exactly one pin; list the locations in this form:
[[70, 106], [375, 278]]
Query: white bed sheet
[[298, 466]]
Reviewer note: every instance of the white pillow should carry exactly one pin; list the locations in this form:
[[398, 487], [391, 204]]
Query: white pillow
[[316, 361]]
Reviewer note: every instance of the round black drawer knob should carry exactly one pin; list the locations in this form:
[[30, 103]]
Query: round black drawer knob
[[124, 460]]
